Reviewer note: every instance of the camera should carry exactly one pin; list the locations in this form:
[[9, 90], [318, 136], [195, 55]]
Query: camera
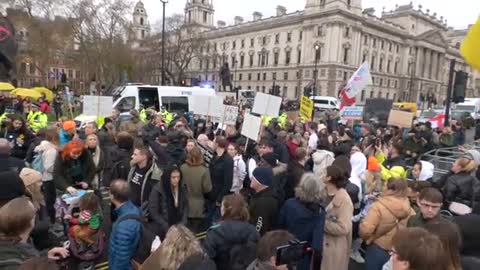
[[292, 253]]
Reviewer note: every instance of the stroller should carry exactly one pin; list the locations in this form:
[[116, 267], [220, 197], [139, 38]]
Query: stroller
[[85, 259]]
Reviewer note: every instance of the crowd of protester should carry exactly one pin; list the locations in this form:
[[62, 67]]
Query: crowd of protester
[[190, 195]]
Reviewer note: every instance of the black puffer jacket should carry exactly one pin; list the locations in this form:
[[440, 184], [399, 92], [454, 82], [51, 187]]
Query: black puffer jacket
[[226, 237], [221, 173], [461, 187], [264, 207]]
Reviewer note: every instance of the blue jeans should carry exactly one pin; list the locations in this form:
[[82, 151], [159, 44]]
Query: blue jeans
[[213, 214], [375, 257]]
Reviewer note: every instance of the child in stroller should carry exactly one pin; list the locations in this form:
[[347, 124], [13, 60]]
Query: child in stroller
[[82, 221]]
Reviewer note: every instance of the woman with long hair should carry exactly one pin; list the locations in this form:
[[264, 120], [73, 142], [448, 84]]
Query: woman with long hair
[[74, 168], [197, 179], [168, 202], [179, 244], [385, 217], [451, 239], [48, 149], [232, 242], [239, 167], [94, 148], [19, 136]]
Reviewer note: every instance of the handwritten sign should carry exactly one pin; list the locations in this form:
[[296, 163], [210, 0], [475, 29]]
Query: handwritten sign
[[352, 113], [306, 108], [267, 105], [97, 105]]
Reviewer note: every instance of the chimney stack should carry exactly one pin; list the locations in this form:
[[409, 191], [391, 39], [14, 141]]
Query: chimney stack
[[238, 20], [281, 10], [221, 24], [257, 16]]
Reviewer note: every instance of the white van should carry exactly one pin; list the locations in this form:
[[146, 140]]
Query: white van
[[323, 103], [172, 98], [471, 105]]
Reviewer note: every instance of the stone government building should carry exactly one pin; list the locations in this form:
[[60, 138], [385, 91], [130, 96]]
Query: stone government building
[[408, 49]]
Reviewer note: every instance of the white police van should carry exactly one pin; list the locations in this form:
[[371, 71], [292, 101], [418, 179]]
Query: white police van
[[171, 98]]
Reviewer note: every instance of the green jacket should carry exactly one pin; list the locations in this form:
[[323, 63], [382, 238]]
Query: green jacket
[[94, 222], [13, 254], [419, 221]]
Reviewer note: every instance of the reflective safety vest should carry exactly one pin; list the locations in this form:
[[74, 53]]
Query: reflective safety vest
[[37, 120], [143, 115], [282, 120], [167, 117], [266, 120], [100, 121], [3, 117]]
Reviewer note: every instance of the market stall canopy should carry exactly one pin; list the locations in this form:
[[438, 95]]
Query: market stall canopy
[[26, 93], [6, 86], [47, 92]]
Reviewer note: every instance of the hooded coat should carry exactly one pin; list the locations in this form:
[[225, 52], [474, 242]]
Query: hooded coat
[[426, 174], [49, 154], [321, 160], [386, 216], [161, 206], [359, 166]]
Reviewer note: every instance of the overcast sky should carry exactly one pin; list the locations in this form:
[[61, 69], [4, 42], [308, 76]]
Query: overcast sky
[[459, 13]]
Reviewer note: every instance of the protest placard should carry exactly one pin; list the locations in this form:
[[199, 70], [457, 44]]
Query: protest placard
[[352, 113], [377, 109], [207, 105], [251, 126], [306, 108], [230, 115], [400, 119], [267, 105], [97, 105]]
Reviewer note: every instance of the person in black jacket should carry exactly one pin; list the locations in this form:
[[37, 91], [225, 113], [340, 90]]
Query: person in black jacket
[[221, 174], [117, 165], [19, 136], [8, 163], [168, 203], [264, 205], [152, 130], [232, 242], [295, 171], [459, 185]]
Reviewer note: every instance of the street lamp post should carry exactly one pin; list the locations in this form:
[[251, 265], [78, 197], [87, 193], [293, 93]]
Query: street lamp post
[[164, 2], [317, 48]]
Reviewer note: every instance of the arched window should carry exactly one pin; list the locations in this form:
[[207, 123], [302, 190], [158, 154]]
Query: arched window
[[141, 21]]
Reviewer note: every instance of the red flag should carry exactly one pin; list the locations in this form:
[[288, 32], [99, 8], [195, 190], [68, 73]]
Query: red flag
[[437, 121]]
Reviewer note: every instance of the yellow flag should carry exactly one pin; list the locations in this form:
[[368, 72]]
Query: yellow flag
[[470, 48]]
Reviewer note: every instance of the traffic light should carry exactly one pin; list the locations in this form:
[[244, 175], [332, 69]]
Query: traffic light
[[460, 86], [308, 91]]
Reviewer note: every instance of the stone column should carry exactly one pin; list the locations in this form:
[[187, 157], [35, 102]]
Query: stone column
[[419, 62], [439, 66], [426, 66], [433, 68]]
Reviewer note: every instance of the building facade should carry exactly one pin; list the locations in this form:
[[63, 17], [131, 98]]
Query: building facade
[[408, 50]]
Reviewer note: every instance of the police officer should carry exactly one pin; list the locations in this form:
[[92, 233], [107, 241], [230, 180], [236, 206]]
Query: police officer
[[37, 119]]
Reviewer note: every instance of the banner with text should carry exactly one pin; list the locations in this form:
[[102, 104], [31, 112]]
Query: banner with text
[[97, 105], [352, 113], [306, 108]]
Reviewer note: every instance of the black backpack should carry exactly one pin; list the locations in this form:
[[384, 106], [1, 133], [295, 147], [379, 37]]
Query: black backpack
[[146, 239], [121, 169]]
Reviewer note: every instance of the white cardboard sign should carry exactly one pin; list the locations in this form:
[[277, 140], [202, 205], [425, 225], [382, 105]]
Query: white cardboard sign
[[207, 105], [97, 105], [267, 105], [251, 126]]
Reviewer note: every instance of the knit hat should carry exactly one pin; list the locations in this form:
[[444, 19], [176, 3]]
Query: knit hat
[[30, 177], [263, 175], [373, 164], [271, 159], [11, 186], [69, 125]]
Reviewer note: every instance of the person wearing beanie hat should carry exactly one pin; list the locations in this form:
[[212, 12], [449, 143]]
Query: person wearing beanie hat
[[33, 184], [373, 178], [264, 205], [68, 132], [37, 119]]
